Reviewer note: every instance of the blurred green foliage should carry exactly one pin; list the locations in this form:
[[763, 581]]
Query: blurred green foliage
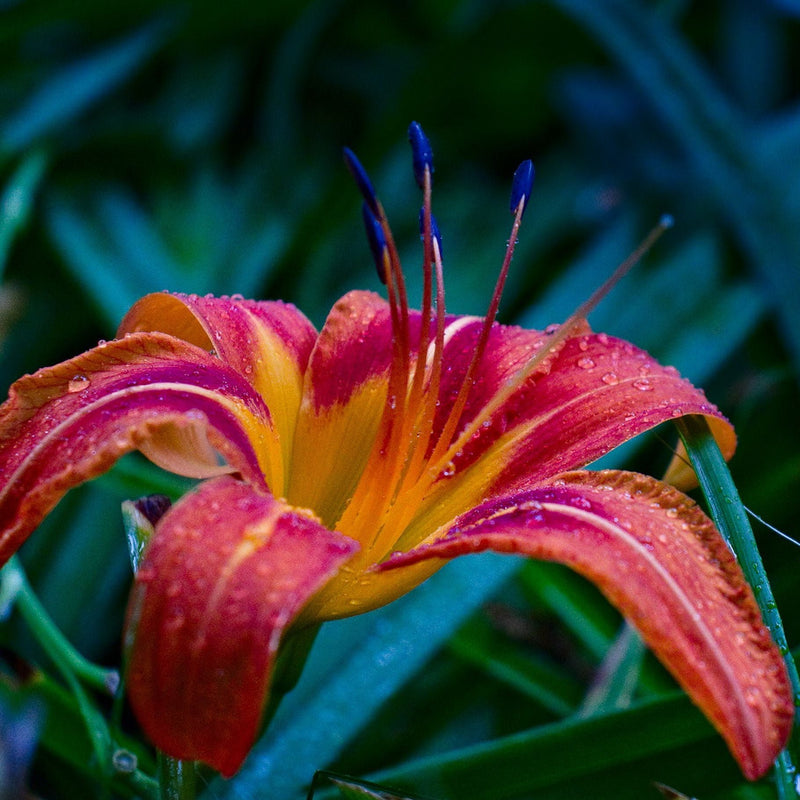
[[196, 147]]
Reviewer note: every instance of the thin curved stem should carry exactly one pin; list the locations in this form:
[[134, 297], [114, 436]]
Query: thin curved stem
[[731, 519]]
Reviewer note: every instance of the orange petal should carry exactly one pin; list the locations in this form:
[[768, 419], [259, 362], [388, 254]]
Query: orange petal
[[590, 396], [224, 576], [344, 398], [660, 560], [267, 342]]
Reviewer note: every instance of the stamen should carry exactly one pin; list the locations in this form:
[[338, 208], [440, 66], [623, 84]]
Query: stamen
[[377, 242], [362, 180], [521, 187], [374, 490], [560, 335], [434, 234], [422, 398], [422, 153]]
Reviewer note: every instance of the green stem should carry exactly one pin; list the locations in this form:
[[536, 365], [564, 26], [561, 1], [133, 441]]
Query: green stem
[[69, 663], [731, 519], [49, 635], [176, 778]]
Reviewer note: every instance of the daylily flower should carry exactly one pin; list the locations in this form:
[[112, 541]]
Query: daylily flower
[[341, 468]]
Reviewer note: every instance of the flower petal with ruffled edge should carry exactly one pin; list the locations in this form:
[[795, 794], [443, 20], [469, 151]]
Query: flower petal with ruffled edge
[[660, 560], [208, 612], [67, 424], [589, 395], [267, 342]]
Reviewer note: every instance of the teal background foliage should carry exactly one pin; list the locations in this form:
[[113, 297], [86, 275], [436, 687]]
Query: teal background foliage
[[197, 147]]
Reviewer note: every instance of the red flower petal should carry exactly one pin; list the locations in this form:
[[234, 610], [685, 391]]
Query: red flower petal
[[344, 398], [660, 560], [207, 614], [71, 422], [593, 394], [267, 342]]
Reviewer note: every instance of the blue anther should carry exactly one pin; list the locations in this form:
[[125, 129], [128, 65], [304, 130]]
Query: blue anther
[[435, 235], [362, 180], [376, 239], [522, 185], [422, 153]]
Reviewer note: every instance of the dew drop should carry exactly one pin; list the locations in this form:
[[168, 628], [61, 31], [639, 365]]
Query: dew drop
[[583, 345], [752, 696], [586, 363], [643, 385], [124, 761], [449, 470], [551, 329], [78, 383], [237, 298], [610, 379]]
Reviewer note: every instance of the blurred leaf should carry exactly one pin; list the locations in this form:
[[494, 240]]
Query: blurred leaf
[[616, 681], [481, 644], [77, 86], [571, 756], [715, 138], [17, 200], [112, 288], [354, 789]]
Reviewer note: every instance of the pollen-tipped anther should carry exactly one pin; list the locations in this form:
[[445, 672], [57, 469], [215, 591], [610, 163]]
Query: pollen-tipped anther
[[421, 151], [435, 235], [362, 180], [521, 186], [377, 241]]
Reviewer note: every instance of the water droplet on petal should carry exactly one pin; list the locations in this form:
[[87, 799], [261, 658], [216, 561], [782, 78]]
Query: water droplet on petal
[[449, 470], [586, 363], [610, 379], [78, 383], [643, 385], [237, 298]]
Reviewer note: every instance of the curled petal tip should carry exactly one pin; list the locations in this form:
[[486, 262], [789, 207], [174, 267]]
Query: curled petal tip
[[421, 151], [362, 180], [522, 185], [376, 239]]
